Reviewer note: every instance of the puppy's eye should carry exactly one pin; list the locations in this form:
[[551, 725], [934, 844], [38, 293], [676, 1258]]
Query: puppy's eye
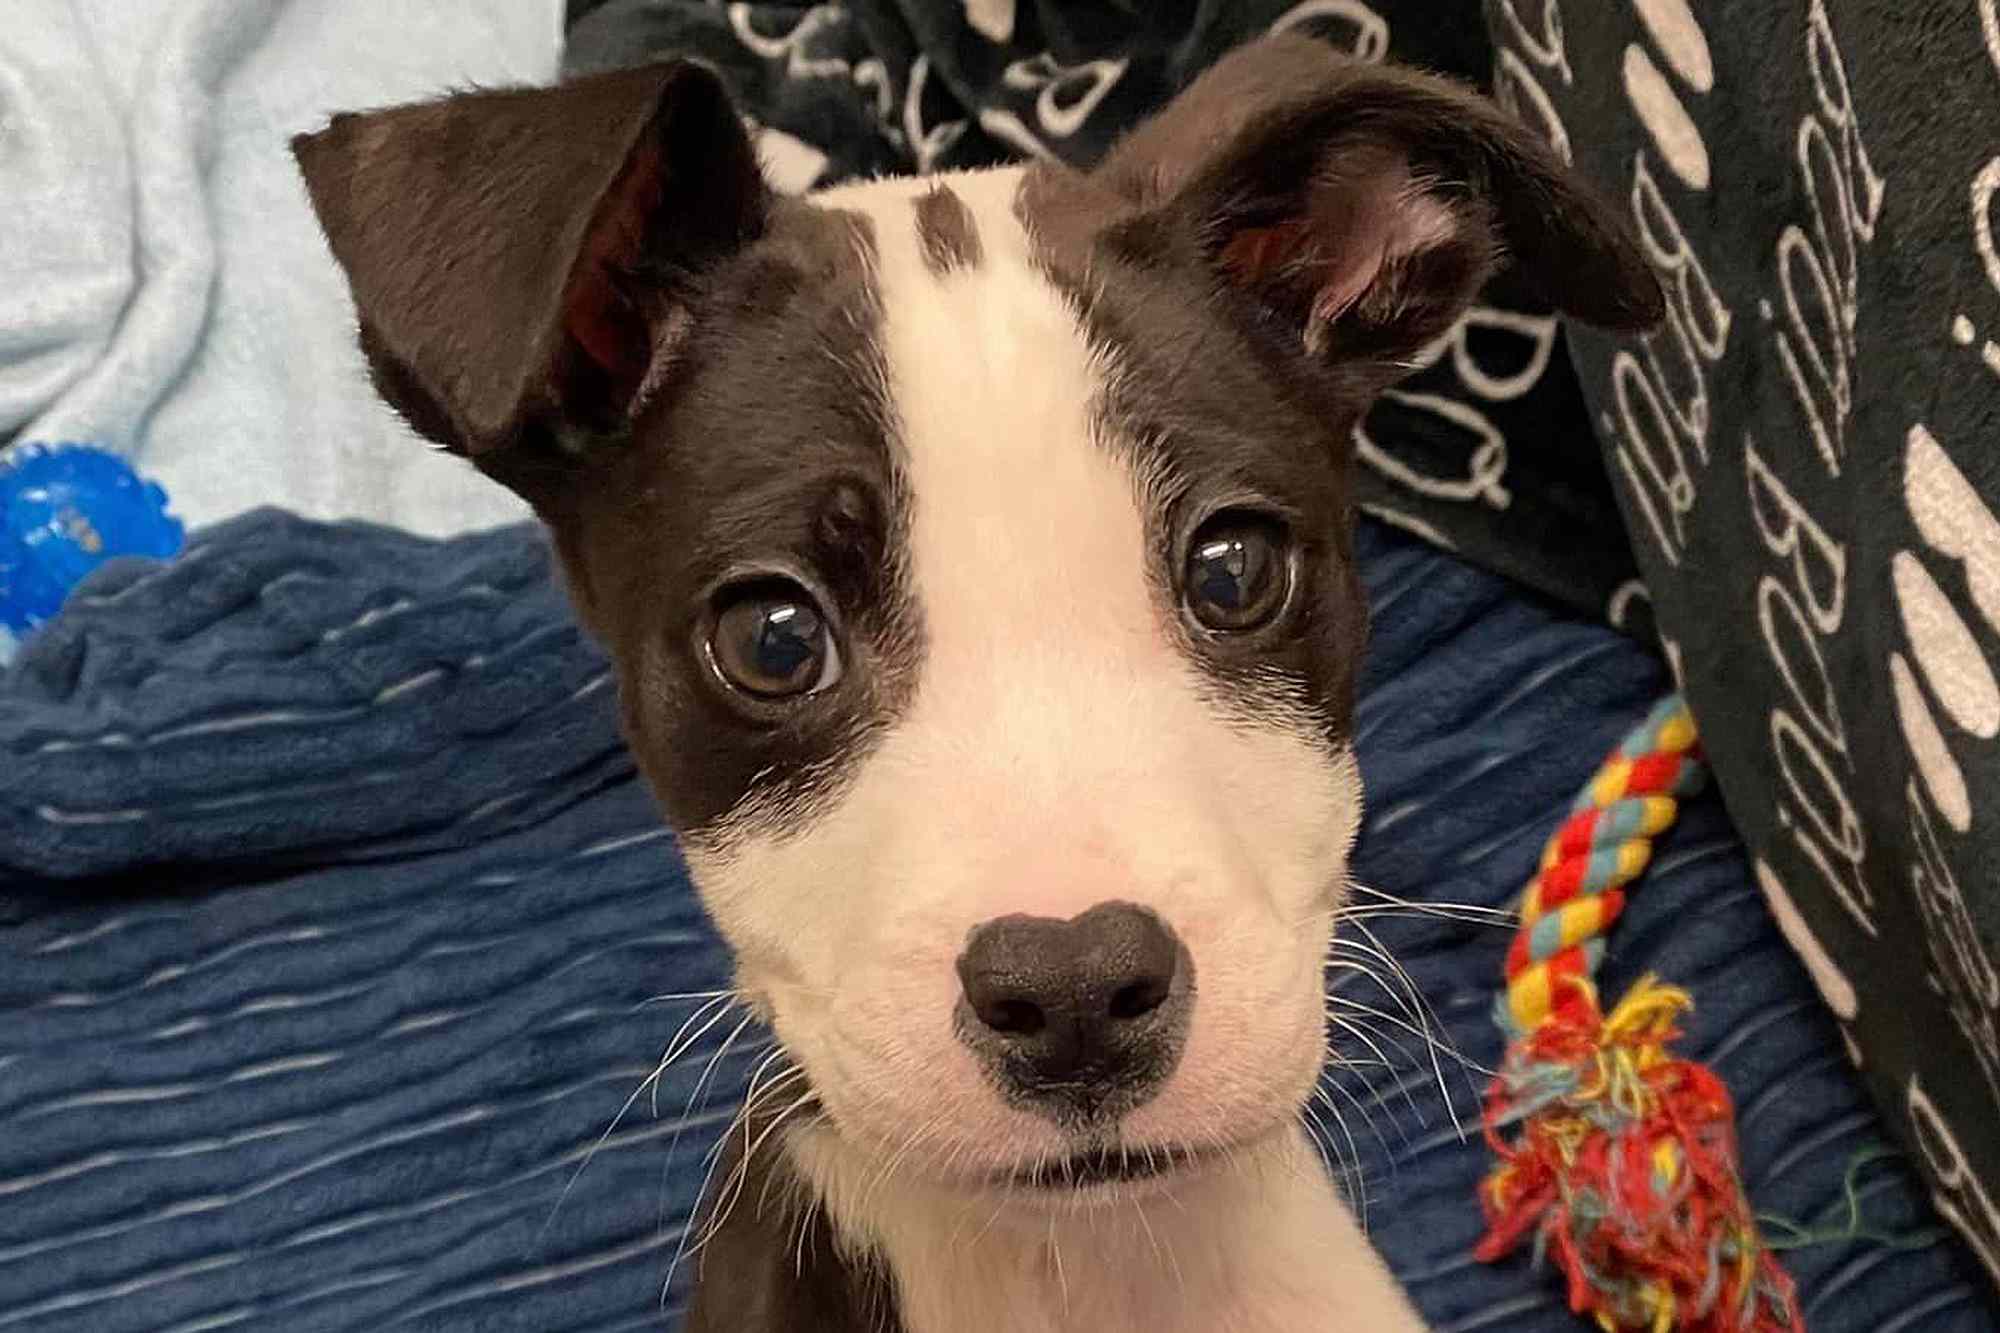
[[772, 641], [1239, 572]]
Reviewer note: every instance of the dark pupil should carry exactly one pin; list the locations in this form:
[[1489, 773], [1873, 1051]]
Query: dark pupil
[[1230, 578], [786, 646]]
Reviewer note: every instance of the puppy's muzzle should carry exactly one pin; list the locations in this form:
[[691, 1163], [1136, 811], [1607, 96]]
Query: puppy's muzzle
[[1080, 1020]]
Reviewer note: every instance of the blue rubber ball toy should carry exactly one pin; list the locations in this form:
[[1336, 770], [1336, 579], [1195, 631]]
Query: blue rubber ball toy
[[65, 510]]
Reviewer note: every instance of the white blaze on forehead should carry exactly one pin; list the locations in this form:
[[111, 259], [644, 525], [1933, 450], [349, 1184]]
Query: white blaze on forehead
[[1022, 522], [1027, 544]]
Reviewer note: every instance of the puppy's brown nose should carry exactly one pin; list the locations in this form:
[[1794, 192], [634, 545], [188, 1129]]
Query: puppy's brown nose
[[1080, 1019]]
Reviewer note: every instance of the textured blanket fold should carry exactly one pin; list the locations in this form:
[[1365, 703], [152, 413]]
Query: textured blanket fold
[[168, 292], [290, 691]]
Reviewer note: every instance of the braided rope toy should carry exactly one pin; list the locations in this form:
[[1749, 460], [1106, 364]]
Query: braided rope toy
[[1617, 1157]]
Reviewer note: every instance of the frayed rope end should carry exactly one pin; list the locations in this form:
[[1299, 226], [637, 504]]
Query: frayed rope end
[[1618, 1160]]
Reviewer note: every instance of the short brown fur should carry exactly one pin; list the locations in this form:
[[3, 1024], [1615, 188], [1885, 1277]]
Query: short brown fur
[[947, 232]]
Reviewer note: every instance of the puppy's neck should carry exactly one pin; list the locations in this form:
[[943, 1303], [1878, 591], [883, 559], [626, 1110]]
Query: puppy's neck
[[1260, 1245]]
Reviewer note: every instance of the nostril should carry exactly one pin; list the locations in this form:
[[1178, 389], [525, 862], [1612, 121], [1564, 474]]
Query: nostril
[[1140, 998], [1014, 1017]]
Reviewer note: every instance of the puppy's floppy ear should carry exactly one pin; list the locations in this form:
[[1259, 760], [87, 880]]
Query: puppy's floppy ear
[[1367, 205], [521, 259]]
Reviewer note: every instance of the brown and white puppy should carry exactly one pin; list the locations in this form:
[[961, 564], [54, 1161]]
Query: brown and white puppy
[[975, 555]]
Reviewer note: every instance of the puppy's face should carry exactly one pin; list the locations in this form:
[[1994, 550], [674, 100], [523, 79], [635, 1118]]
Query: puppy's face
[[985, 614], [974, 552]]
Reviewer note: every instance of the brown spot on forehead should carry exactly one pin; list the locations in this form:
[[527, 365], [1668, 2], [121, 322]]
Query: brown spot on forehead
[[946, 231]]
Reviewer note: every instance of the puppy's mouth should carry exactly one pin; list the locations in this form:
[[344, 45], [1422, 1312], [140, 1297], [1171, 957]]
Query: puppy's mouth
[[1101, 1168]]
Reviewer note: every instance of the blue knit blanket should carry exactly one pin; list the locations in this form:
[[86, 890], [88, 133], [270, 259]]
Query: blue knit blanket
[[336, 936]]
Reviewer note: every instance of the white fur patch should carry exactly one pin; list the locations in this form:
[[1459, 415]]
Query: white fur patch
[[1262, 1246]]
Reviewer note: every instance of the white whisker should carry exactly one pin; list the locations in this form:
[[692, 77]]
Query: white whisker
[[1366, 1038], [674, 1050], [1465, 913]]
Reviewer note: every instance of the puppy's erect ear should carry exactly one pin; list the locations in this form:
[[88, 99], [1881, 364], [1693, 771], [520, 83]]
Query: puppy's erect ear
[[521, 259], [1367, 205]]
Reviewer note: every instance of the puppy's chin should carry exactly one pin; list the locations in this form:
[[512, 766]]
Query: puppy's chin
[[988, 1153], [1107, 1174], [1115, 1175]]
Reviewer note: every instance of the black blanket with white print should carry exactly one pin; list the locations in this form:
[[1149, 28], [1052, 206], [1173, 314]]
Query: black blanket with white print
[[1488, 451], [1792, 486], [1808, 460]]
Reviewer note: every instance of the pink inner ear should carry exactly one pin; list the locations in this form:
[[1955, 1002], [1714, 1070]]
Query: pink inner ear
[[1360, 220], [1342, 284], [598, 318], [1258, 254]]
